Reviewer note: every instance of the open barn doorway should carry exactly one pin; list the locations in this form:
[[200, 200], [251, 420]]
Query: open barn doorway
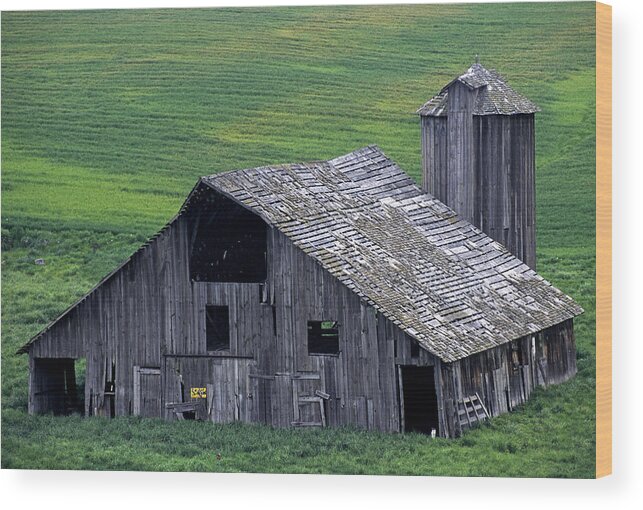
[[55, 387], [418, 400]]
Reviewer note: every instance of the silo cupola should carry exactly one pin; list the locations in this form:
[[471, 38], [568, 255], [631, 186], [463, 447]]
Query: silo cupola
[[478, 157]]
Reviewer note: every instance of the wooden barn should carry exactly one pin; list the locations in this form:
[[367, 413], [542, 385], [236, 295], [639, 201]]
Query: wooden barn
[[332, 293]]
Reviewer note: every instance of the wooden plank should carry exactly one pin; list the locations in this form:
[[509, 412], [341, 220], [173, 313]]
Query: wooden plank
[[296, 400], [303, 377], [136, 397], [262, 376], [370, 413], [183, 406], [401, 397], [210, 400], [465, 401], [308, 400], [149, 371], [483, 406], [543, 372], [322, 412]]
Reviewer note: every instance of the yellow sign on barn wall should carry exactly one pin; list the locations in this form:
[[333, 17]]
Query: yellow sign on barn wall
[[198, 393]]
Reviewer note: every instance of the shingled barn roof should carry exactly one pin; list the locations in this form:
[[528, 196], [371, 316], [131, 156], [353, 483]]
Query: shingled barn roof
[[437, 277], [495, 97]]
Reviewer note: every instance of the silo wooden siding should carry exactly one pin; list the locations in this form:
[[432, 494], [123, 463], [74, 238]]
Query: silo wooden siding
[[434, 156], [505, 182], [505, 376], [461, 152]]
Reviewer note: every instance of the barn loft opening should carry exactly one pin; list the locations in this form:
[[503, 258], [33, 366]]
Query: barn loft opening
[[55, 388], [227, 242], [323, 337], [217, 328], [419, 402]]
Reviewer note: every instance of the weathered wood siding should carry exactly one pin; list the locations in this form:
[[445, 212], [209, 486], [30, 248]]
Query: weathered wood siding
[[126, 321], [434, 156], [461, 152], [505, 376], [229, 387], [506, 182]]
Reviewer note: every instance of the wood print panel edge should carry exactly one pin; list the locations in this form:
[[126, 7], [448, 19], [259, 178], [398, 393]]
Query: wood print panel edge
[[603, 240]]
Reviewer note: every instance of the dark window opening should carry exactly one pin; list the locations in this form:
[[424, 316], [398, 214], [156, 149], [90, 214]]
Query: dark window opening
[[419, 400], [415, 349], [323, 337], [189, 415], [217, 328], [55, 388], [227, 242]]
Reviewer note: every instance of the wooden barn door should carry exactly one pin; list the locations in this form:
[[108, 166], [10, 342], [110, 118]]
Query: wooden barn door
[[219, 385], [308, 400], [147, 392], [230, 390]]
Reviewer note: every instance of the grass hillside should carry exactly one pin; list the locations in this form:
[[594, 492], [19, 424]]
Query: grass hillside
[[109, 118]]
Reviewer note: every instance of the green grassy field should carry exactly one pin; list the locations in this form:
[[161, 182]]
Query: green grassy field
[[109, 117]]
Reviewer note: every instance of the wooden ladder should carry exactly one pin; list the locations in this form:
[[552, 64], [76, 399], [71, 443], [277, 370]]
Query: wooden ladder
[[471, 410]]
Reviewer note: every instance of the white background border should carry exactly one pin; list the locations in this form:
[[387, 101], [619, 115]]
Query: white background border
[[55, 490]]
